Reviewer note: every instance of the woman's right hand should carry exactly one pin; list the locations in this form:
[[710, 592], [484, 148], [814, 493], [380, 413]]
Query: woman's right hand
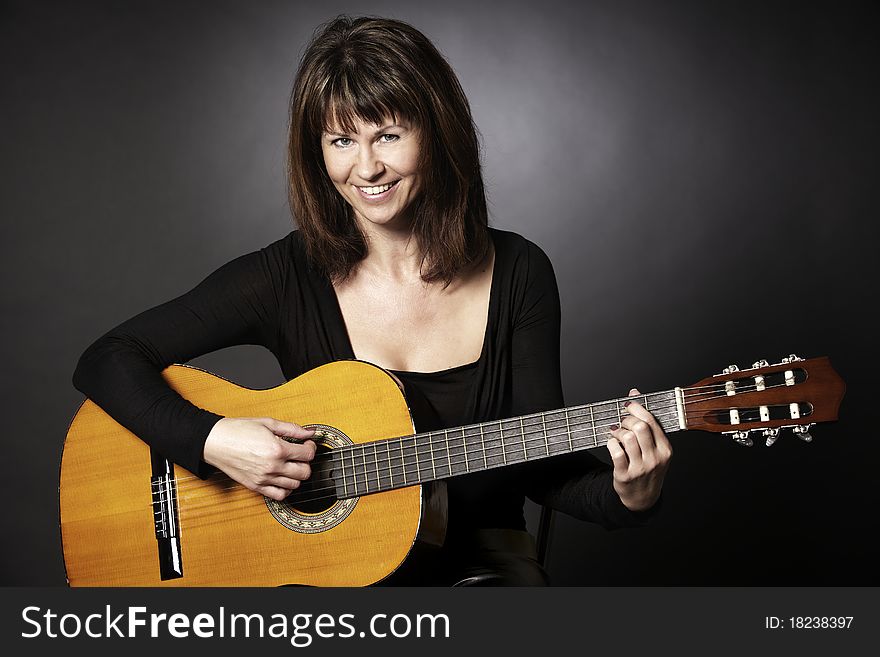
[[252, 451]]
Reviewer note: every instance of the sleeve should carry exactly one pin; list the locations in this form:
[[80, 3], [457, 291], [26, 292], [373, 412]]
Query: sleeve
[[121, 370], [577, 484]]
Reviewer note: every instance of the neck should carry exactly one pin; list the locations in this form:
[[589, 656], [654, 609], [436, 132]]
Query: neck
[[397, 462], [392, 252]]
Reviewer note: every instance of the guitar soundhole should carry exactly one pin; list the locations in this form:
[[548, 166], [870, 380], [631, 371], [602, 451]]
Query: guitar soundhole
[[317, 493], [314, 506]]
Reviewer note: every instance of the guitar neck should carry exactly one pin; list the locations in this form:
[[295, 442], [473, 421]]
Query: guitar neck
[[383, 465]]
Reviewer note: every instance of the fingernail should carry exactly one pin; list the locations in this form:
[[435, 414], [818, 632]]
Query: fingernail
[[615, 427], [627, 404]]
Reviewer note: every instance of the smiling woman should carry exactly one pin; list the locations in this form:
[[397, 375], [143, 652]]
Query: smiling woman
[[393, 263], [377, 170], [338, 93]]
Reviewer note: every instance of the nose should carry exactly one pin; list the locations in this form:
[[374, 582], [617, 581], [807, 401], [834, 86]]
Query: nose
[[369, 164]]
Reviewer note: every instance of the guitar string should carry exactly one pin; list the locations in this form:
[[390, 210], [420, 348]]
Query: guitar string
[[687, 397], [543, 437], [529, 437], [311, 497], [597, 412]]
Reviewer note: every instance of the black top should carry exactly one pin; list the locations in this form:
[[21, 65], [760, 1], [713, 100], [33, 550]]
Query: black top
[[274, 298]]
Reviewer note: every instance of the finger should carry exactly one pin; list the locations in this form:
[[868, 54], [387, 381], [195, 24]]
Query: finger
[[301, 451], [659, 438], [618, 455], [282, 481], [287, 429], [629, 441], [643, 432], [287, 451], [276, 493], [633, 392], [295, 470], [638, 411]]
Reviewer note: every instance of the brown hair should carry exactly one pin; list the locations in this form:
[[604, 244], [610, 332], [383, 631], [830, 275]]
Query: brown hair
[[370, 68]]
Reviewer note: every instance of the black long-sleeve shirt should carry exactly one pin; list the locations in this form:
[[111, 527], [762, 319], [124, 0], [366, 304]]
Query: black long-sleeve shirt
[[274, 298]]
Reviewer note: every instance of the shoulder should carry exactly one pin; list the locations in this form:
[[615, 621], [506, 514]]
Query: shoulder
[[285, 255], [519, 257]]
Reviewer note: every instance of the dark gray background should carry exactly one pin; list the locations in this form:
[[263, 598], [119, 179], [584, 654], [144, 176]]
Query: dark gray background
[[702, 175]]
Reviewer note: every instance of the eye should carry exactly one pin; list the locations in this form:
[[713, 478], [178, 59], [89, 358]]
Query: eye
[[341, 142], [388, 138]]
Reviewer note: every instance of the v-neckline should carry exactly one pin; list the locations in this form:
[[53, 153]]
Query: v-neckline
[[491, 313]]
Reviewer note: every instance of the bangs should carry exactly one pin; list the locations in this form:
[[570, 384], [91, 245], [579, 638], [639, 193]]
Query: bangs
[[351, 96]]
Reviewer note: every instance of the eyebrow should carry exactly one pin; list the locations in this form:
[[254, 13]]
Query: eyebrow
[[332, 133]]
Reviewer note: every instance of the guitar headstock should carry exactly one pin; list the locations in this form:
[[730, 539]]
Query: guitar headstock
[[794, 393]]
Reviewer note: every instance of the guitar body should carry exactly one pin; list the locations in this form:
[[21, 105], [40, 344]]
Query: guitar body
[[228, 535]]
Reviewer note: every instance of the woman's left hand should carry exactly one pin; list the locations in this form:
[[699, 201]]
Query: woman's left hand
[[640, 452]]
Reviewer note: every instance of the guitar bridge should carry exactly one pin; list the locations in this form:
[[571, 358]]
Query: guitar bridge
[[166, 518]]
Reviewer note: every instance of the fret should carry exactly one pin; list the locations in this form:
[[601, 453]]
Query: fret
[[395, 462], [376, 466], [494, 444], [402, 460], [410, 462], [448, 457], [470, 456], [556, 432], [456, 451], [513, 446], [593, 424], [568, 431], [386, 477], [544, 431], [580, 426], [431, 448], [522, 433], [442, 462], [503, 451], [483, 445], [354, 485], [338, 460], [423, 455], [535, 446], [606, 412], [360, 470]]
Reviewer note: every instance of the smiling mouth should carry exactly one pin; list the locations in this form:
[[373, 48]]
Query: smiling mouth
[[377, 190]]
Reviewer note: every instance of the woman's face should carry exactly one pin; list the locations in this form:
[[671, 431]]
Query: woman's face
[[376, 169]]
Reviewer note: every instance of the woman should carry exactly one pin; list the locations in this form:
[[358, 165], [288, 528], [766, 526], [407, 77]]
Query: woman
[[393, 263]]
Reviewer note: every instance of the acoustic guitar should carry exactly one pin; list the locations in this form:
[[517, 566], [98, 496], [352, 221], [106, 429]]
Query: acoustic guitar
[[129, 517]]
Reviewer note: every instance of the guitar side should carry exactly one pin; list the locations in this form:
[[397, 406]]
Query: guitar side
[[228, 537]]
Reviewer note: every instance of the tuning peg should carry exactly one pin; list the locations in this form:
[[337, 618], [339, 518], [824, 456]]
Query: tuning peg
[[791, 358], [772, 435], [760, 363], [803, 432], [742, 437], [730, 369]]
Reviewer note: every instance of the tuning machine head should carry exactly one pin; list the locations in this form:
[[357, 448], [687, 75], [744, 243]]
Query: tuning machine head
[[803, 432], [742, 438], [771, 435]]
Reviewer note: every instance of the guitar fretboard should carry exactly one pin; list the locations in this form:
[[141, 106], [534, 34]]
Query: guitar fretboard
[[405, 461]]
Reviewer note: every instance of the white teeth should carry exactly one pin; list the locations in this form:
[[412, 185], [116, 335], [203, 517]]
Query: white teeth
[[372, 191]]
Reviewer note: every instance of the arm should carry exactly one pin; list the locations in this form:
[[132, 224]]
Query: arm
[[578, 484], [121, 371]]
